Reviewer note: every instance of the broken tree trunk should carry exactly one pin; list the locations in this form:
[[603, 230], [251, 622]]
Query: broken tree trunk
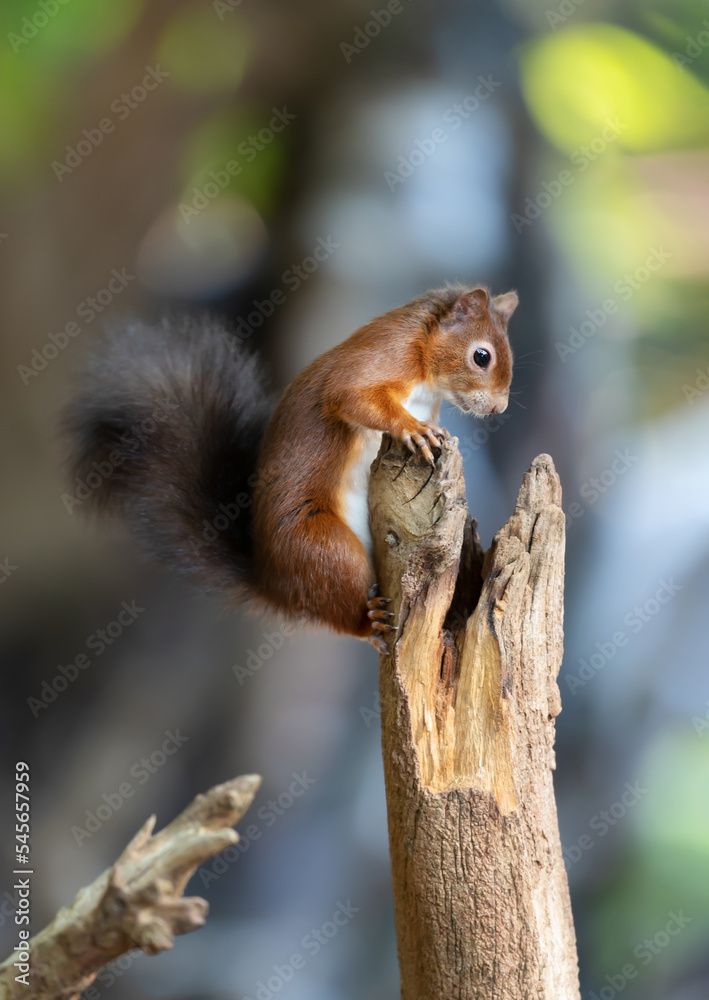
[[469, 698]]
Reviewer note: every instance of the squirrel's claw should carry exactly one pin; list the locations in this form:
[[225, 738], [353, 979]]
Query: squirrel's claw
[[427, 435], [378, 643], [416, 441], [377, 614], [434, 433], [377, 637], [380, 619]]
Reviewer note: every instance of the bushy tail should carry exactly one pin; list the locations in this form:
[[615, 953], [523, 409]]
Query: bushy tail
[[166, 428]]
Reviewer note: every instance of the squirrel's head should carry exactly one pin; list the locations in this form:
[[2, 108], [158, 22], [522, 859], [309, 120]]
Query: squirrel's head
[[471, 361]]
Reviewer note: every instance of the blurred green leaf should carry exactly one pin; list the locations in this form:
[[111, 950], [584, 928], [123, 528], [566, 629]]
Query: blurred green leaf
[[49, 34], [40, 65], [578, 78]]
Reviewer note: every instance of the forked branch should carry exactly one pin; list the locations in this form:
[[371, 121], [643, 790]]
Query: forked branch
[[137, 903]]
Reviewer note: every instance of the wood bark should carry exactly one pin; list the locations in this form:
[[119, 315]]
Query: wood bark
[[469, 697], [137, 903]]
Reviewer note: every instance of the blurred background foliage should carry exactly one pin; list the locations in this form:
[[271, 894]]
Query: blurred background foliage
[[581, 179]]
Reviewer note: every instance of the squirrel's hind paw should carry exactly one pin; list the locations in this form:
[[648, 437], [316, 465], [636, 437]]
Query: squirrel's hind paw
[[380, 619]]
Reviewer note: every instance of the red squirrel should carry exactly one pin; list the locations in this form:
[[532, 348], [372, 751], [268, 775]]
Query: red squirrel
[[174, 422]]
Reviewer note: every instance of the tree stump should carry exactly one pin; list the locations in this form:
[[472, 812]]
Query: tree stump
[[469, 697]]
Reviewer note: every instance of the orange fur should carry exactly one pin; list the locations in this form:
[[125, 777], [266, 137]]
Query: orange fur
[[274, 509]]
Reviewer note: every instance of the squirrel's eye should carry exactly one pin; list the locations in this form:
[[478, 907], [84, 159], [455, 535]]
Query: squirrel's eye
[[481, 357]]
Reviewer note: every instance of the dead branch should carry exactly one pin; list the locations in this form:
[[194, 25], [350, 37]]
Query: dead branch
[[137, 903]]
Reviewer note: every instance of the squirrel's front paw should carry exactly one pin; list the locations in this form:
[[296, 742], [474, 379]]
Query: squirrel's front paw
[[425, 435]]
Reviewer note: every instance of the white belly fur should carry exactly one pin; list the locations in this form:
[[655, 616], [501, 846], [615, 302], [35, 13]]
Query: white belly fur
[[355, 512]]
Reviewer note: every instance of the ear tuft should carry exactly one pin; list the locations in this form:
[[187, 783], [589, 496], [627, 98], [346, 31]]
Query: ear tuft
[[506, 304], [472, 303]]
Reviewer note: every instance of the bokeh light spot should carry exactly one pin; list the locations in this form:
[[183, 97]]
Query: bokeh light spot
[[575, 80], [203, 255], [202, 53]]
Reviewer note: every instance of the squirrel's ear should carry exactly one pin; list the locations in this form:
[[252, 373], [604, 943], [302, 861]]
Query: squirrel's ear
[[472, 303], [506, 304]]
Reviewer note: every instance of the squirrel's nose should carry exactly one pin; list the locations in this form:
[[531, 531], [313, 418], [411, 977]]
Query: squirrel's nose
[[499, 407]]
